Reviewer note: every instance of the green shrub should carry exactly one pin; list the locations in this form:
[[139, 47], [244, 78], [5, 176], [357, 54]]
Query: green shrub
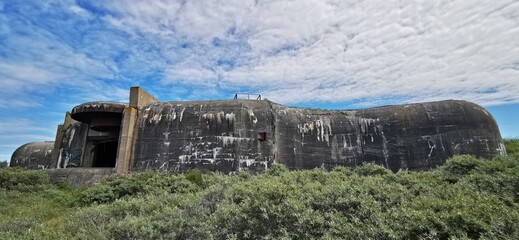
[[17, 226], [155, 216], [458, 167], [101, 194], [244, 174], [3, 164], [195, 176], [23, 180], [512, 145], [454, 213], [343, 170], [117, 188], [499, 177], [141, 184], [466, 198], [371, 169], [277, 170]]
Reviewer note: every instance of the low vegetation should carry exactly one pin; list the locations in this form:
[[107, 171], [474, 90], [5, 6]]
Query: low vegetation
[[466, 198], [512, 145], [3, 164]]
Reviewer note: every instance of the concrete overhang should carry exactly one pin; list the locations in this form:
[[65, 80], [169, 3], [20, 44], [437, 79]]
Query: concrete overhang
[[101, 116]]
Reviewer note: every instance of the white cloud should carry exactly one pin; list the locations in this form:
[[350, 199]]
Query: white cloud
[[292, 51], [41, 55], [302, 51], [79, 11], [8, 103], [14, 132], [59, 53]]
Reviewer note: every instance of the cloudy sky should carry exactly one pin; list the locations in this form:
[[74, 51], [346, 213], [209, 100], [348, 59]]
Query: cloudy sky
[[336, 54]]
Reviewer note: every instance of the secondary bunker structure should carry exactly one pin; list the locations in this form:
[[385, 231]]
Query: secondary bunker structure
[[231, 135]]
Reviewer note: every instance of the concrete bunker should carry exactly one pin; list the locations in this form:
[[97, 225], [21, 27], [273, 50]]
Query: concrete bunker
[[231, 135]]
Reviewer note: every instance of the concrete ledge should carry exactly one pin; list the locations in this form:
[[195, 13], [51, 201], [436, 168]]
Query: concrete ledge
[[79, 177]]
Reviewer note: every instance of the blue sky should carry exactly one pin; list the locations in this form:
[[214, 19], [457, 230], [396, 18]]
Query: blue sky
[[331, 54]]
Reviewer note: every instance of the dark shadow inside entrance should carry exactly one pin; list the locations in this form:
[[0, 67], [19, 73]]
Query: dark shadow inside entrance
[[105, 154]]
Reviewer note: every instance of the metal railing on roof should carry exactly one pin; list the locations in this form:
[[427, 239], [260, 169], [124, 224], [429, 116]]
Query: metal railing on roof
[[247, 96]]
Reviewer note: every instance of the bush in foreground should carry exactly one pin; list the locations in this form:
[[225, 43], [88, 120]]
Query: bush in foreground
[[466, 198], [512, 145], [22, 180]]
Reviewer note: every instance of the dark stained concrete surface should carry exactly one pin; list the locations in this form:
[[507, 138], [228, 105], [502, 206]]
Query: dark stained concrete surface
[[35, 155], [70, 149], [210, 135], [227, 135], [231, 135], [414, 136]]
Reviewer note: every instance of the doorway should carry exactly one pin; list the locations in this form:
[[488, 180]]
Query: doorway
[[105, 154]]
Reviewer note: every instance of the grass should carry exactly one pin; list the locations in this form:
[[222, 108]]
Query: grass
[[467, 198]]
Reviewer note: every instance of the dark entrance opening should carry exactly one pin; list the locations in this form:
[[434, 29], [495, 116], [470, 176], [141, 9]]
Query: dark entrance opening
[[105, 154], [104, 125]]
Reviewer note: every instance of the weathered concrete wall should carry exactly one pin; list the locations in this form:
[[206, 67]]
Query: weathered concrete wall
[[414, 136], [126, 140], [79, 177], [310, 138], [71, 145], [138, 98], [210, 135], [252, 134], [420, 136], [223, 135], [35, 155]]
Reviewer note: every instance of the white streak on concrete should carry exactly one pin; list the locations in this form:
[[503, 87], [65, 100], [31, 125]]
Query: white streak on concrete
[[182, 114], [71, 136], [230, 117], [166, 135], [384, 149], [252, 116]]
